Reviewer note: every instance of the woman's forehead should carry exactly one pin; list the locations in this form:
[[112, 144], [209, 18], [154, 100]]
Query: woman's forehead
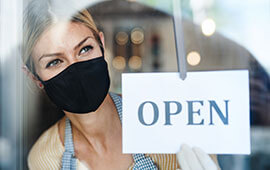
[[66, 30], [61, 35]]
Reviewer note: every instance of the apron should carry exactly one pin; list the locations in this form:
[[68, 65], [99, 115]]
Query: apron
[[69, 160]]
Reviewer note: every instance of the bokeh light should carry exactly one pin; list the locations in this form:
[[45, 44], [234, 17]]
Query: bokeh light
[[193, 58], [208, 27], [119, 63], [137, 36], [135, 62], [121, 38]]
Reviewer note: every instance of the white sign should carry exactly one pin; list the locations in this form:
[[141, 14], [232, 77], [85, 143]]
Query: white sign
[[209, 110]]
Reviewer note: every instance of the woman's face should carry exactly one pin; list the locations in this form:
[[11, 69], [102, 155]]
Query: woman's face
[[62, 45]]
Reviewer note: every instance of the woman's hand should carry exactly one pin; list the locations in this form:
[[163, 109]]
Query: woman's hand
[[194, 159]]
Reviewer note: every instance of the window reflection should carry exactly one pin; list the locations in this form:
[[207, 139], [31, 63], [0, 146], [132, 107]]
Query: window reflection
[[139, 37]]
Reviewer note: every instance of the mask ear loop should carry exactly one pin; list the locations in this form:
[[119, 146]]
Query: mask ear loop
[[39, 79], [100, 45]]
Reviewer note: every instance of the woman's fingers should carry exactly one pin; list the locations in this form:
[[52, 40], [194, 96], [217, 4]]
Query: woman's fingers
[[205, 160], [188, 159], [182, 160]]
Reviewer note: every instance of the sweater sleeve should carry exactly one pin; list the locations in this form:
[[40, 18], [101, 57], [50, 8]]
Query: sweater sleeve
[[47, 151]]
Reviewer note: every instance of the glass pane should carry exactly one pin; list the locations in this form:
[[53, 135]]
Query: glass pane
[[139, 37]]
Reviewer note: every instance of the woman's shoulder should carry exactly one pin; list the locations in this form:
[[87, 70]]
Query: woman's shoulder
[[47, 151]]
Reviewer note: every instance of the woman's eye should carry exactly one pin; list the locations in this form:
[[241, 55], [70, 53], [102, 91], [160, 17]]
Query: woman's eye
[[86, 49], [53, 63]]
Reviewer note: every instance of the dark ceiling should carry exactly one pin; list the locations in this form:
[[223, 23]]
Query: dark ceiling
[[124, 8]]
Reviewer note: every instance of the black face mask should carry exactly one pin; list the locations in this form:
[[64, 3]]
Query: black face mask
[[81, 87]]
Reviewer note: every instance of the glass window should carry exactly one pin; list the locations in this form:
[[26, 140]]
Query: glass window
[[140, 37]]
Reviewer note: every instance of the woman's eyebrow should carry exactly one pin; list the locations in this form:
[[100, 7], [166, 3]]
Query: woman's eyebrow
[[58, 54], [80, 43], [50, 55]]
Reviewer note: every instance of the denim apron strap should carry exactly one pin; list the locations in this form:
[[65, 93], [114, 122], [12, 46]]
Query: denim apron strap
[[142, 162], [68, 159]]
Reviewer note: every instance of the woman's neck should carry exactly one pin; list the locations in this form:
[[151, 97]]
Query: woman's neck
[[97, 128]]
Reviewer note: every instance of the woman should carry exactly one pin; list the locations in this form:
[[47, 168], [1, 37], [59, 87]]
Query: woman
[[65, 56]]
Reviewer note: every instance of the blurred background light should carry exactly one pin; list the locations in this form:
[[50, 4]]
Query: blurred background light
[[137, 36], [193, 58], [119, 63], [135, 62], [121, 38], [208, 27]]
